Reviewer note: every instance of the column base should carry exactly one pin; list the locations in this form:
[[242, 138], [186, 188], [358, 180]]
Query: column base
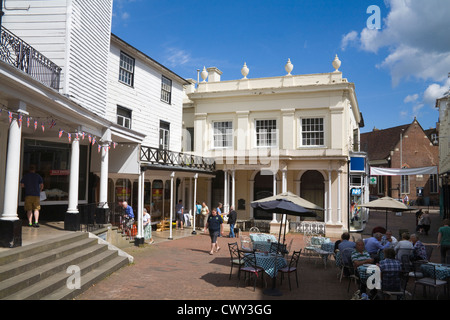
[[139, 241], [10, 233], [72, 221]]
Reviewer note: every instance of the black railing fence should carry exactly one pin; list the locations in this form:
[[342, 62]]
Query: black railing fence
[[94, 216], [17, 53], [167, 158]]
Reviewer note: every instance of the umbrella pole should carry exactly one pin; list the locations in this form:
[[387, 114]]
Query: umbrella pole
[[274, 291], [386, 218]]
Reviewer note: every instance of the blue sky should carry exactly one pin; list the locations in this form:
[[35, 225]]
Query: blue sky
[[398, 70]]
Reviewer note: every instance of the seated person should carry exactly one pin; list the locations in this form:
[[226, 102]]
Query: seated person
[[373, 244], [390, 267], [389, 238], [359, 257], [345, 242], [404, 246], [419, 253]]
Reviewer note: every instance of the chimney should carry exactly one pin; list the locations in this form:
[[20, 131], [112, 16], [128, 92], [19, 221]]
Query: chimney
[[214, 74]]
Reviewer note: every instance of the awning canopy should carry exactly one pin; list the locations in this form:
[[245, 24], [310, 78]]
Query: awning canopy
[[377, 171]]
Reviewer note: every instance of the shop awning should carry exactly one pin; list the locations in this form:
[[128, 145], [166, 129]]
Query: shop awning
[[376, 171]]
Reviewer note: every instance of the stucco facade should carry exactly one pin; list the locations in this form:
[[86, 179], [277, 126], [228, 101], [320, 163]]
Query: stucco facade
[[287, 133]]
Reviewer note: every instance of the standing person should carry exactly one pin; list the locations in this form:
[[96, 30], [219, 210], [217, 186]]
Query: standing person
[[129, 214], [180, 215], [146, 222], [198, 214], [205, 213], [443, 240], [232, 217], [424, 223], [33, 184], [219, 209], [215, 227]]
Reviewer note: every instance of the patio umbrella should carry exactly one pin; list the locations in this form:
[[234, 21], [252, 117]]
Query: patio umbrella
[[388, 204], [285, 203]]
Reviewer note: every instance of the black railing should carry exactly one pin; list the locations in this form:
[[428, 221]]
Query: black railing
[[16, 52], [170, 159], [92, 217]]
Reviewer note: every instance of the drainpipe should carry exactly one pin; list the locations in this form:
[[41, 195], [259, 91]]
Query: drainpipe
[[1, 13]]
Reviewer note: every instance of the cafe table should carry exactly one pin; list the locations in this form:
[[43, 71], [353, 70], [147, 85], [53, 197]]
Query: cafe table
[[270, 262], [262, 242], [442, 270]]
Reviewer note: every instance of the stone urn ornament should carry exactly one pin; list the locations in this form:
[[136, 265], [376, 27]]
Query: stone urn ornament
[[245, 70], [289, 67], [336, 64]]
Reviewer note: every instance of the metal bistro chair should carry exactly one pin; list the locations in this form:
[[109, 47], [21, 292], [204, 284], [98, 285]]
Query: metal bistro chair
[[250, 267], [431, 282], [348, 267], [235, 257], [429, 250], [278, 248], [292, 267], [393, 283]]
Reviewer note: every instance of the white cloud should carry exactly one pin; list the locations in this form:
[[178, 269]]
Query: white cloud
[[415, 33], [349, 38], [176, 57], [411, 98], [435, 91]]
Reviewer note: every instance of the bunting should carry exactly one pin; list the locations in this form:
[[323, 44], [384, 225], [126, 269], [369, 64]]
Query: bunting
[[50, 123]]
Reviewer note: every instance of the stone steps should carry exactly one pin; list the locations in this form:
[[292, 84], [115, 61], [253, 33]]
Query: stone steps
[[49, 270]]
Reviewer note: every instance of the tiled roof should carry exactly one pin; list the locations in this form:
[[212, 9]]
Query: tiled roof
[[379, 143]]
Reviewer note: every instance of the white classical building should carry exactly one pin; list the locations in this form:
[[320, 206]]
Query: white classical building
[[269, 135], [90, 111]]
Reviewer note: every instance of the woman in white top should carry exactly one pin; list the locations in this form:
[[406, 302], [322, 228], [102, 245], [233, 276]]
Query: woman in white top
[[146, 222], [205, 213], [404, 246]]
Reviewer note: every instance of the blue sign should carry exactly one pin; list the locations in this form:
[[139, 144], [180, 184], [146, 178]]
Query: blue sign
[[356, 192], [357, 164]]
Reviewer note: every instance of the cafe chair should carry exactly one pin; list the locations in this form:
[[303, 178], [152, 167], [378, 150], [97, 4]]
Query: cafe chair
[[429, 251], [246, 244], [393, 283], [235, 258], [292, 267], [430, 282], [249, 267], [278, 248], [348, 268]]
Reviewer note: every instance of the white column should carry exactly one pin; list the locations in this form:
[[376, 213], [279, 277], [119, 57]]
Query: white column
[[172, 176], [12, 172], [274, 215], [103, 197], [339, 209], [74, 176], [225, 191], [329, 214], [194, 206], [284, 188], [140, 210], [233, 188]]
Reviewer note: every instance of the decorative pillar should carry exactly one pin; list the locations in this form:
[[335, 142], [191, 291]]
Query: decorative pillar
[[195, 203], [329, 213], [225, 191], [274, 215], [139, 239], [10, 224], [233, 188], [339, 209], [104, 170], [172, 176], [72, 217]]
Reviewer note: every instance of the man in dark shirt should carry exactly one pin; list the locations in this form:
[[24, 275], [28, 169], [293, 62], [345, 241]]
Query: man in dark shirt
[[232, 217], [33, 185], [215, 226]]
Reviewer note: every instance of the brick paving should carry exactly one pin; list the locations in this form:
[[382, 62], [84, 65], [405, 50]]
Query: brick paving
[[182, 269]]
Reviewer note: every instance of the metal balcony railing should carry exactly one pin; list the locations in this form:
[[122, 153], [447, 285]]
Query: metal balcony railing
[[16, 52], [176, 160]]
